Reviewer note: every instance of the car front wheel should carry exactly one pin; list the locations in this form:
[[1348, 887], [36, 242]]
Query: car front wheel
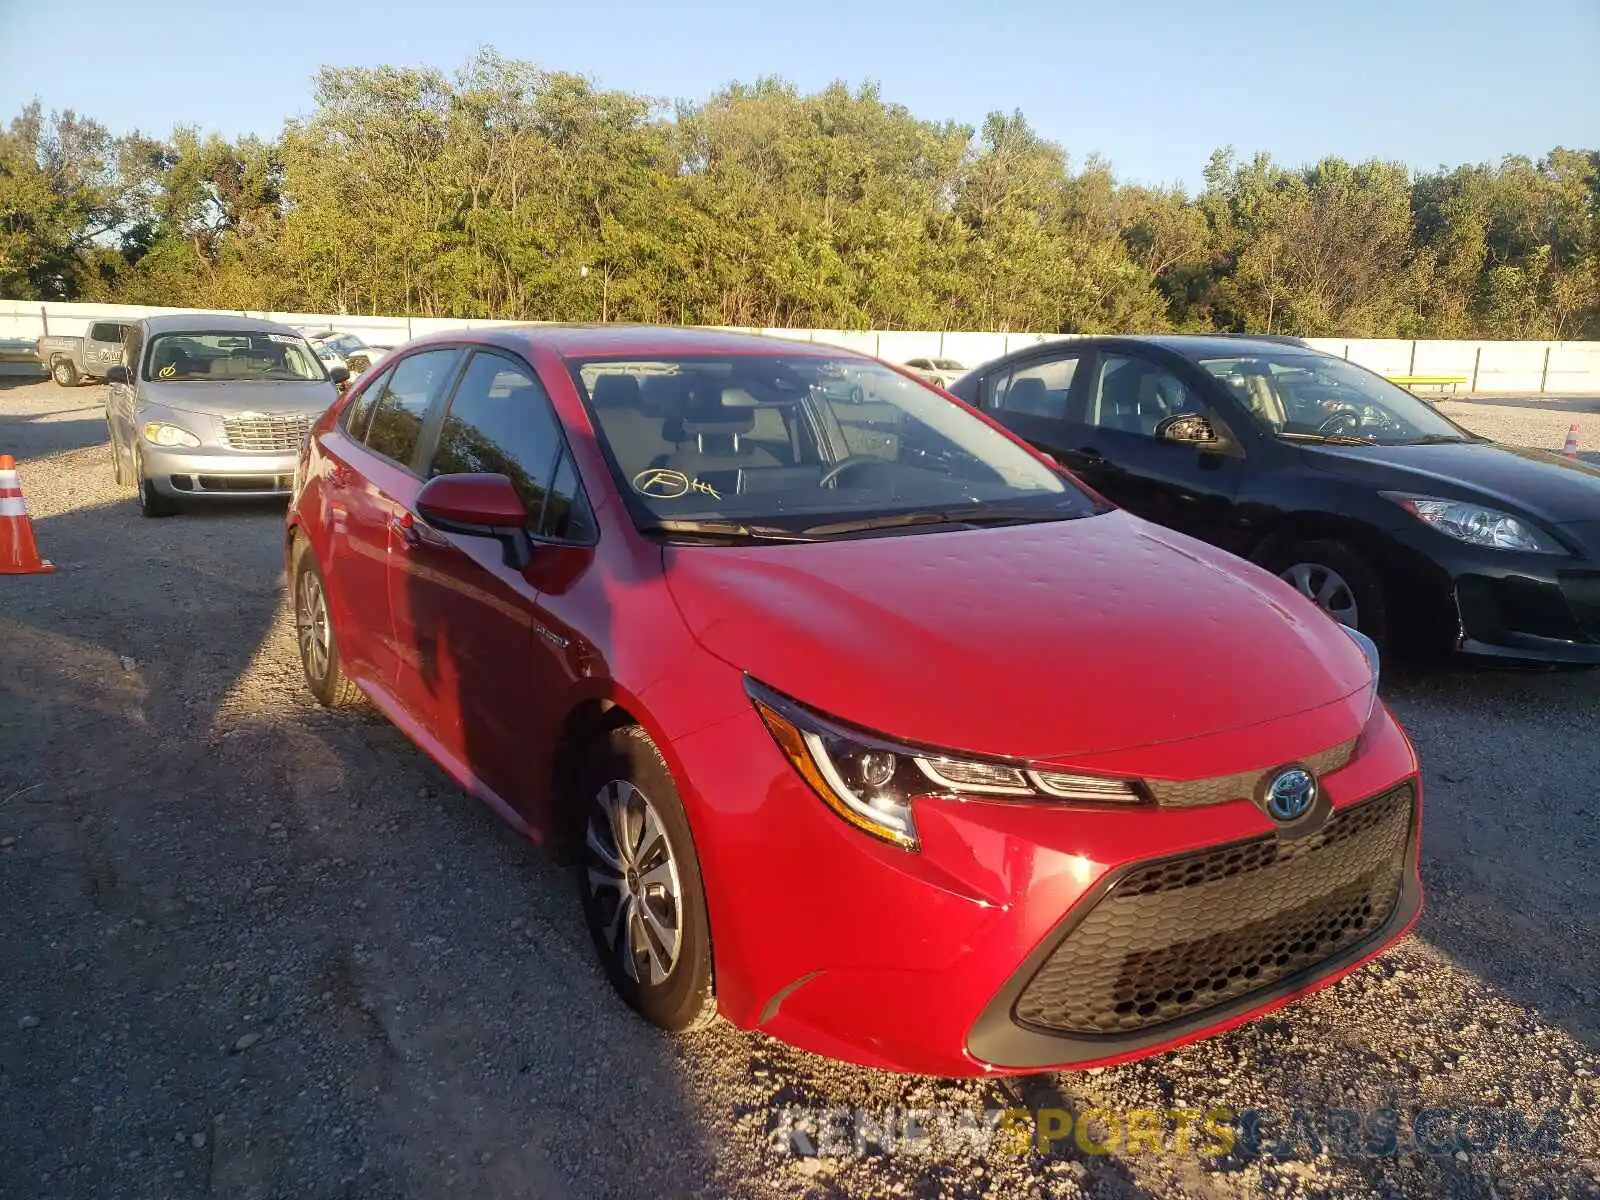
[[1338, 581], [151, 502], [640, 881]]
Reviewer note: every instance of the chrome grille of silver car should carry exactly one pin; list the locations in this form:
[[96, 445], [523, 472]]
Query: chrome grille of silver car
[[277, 433]]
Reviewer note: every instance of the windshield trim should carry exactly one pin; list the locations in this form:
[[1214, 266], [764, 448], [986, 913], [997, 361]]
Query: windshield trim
[[643, 518]]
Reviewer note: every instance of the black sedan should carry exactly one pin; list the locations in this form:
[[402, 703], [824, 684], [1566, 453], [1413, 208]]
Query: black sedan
[[1393, 518]]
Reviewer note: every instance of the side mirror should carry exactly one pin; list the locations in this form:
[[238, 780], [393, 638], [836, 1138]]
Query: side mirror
[[118, 374], [1190, 429], [340, 375], [479, 506]]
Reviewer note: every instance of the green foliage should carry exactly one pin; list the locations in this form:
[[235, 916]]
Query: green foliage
[[508, 191]]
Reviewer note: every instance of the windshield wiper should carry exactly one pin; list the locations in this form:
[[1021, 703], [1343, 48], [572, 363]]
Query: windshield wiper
[[1331, 439], [726, 530], [976, 514], [1438, 439]]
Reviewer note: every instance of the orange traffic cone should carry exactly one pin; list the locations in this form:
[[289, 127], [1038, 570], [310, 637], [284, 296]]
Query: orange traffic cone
[[1571, 448], [18, 553]]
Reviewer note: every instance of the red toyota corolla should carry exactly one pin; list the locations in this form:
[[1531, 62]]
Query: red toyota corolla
[[867, 726]]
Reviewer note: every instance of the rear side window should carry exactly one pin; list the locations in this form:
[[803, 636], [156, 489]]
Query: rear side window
[[500, 422], [1038, 390], [105, 331], [402, 403]]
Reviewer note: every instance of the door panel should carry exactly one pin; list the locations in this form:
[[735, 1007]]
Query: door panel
[[1116, 451], [479, 666], [370, 483]]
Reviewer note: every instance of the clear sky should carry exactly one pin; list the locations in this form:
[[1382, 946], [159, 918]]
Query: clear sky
[[1153, 85]]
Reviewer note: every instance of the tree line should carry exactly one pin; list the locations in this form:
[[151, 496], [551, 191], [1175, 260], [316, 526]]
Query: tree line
[[504, 190]]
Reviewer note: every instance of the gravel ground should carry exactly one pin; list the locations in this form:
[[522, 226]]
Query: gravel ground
[[254, 949]]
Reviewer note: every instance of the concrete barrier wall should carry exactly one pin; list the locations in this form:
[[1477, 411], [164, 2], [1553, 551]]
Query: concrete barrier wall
[[1484, 366]]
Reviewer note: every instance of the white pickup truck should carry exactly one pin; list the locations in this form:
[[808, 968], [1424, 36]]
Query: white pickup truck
[[71, 360]]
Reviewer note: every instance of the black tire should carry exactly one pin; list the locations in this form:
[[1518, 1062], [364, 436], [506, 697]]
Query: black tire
[[324, 671], [624, 765], [118, 472], [1324, 556], [151, 502], [64, 372]]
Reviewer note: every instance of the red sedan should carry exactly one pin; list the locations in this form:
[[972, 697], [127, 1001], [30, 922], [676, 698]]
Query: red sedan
[[866, 725]]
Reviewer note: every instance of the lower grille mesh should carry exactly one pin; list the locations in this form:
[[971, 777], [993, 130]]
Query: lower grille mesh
[[1173, 938]]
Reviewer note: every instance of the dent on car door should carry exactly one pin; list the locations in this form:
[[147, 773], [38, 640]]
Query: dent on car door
[[480, 666], [1119, 450]]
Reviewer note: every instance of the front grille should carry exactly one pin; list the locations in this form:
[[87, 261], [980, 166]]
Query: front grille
[[1173, 938], [277, 433], [1191, 793]]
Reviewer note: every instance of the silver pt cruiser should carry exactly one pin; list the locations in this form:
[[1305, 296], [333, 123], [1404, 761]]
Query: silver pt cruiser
[[205, 406]]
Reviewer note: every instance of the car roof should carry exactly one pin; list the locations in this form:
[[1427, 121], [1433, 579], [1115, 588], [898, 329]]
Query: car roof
[[1207, 345], [204, 322], [608, 341]]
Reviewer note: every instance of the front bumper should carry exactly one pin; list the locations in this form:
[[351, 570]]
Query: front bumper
[[1530, 608], [918, 962], [207, 473]]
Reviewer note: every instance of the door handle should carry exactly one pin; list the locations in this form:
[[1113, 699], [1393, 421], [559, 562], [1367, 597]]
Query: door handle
[[406, 526], [1090, 454]]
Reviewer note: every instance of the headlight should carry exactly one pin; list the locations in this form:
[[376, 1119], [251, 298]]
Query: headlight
[[871, 782], [1370, 649], [161, 434], [1474, 524]]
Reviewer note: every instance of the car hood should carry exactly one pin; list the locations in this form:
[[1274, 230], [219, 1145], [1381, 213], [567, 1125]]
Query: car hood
[[1033, 641], [1550, 487], [236, 397]]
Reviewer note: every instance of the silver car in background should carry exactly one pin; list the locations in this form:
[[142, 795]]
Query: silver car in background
[[206, 407]]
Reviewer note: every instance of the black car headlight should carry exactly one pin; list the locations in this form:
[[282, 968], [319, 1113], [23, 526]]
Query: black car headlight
[[871, 781], [1476, 525]]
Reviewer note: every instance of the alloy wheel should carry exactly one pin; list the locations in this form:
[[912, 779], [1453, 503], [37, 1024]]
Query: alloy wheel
[[633, 883], [311, 620], [1325, 588]]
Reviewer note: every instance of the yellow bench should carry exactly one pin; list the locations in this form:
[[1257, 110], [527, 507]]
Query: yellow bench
[[1439, 381]]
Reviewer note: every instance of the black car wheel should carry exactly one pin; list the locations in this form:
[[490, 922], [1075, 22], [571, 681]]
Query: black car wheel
[[1337, 580], [119, 473], [64, 373], [640, 881], [151, 502], [319, 649]]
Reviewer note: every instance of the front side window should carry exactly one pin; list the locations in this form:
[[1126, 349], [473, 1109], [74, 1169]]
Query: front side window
[[803, 442], [397, 416], [1134, 395], [1310, 397], [227, 357], [359, 410], [1038, 389], [500, 422]]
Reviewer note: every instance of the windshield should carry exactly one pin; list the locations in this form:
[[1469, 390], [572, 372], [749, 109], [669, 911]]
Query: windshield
[[226, 357], [1301, 396], [805, 444]]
